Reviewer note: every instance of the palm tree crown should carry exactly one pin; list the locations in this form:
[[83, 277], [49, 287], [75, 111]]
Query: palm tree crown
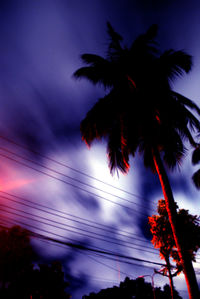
[[140, 110]]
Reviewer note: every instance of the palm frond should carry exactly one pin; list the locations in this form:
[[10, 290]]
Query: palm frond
[[116, 37], [173, 148], [146, 42], [173, 64], [185, 101], [196, 179], [98, 120], [95, 75], [117, 157], [183, 120], [196, 156], [185, 134], [114, 47], [93, 60], [152, 32], [148, 158], [192, 120]]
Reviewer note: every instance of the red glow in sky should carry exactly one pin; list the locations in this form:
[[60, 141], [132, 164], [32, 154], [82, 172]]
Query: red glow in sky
[[10, 185]]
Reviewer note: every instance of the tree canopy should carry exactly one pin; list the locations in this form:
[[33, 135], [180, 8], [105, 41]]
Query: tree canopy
[[137, 289], [16, 253], [163, 237], [20, 275], [134, 113]]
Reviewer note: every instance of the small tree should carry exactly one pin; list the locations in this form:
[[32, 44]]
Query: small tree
[[163, 238]]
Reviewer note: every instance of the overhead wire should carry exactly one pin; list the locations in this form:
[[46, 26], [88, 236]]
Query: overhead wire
[[89, 232], [99, 225], [107, 258], [69, 177], [40, 171], [70, 184], [105, 265], [100, 251], [68, 167], [72, 178], [129, 236], [80, 246], [90, 257], [140, 247], [91, 237], [24, 224], [98, 255], [78, 228]]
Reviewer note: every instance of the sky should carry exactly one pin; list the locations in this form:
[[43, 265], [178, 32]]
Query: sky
[[42, 106]]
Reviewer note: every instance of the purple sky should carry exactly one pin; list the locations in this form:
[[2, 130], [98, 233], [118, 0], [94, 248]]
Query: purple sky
[[42, 106]]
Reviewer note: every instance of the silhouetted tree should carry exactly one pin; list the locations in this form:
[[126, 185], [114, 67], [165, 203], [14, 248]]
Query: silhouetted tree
[[137, 289], [141, 112], [16, 254], [19, 277], [163, 238], [43, 281]]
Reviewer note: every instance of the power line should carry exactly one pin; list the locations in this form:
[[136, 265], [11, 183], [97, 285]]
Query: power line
[[106, 265], [79, 233], [40, 229], [70, 184], [105, 257], [90, 257], [126, 262], [77, 228], [82, 247], [102, 226], [137, 239], [69, 177], [102, 251], [66, 166], [98, 255]]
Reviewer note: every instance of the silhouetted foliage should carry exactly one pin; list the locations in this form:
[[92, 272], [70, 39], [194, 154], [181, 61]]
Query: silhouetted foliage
[[19, 277], [129, 289], [163, 237], [16, 253], [42, 281], [134, 114], [196, 160], [196, 156]]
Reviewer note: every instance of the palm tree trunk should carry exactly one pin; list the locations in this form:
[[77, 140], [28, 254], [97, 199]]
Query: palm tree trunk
[[186, 262], [170, 276]]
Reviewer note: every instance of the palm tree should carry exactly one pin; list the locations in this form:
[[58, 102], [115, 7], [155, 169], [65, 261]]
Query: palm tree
[[140, 112]]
